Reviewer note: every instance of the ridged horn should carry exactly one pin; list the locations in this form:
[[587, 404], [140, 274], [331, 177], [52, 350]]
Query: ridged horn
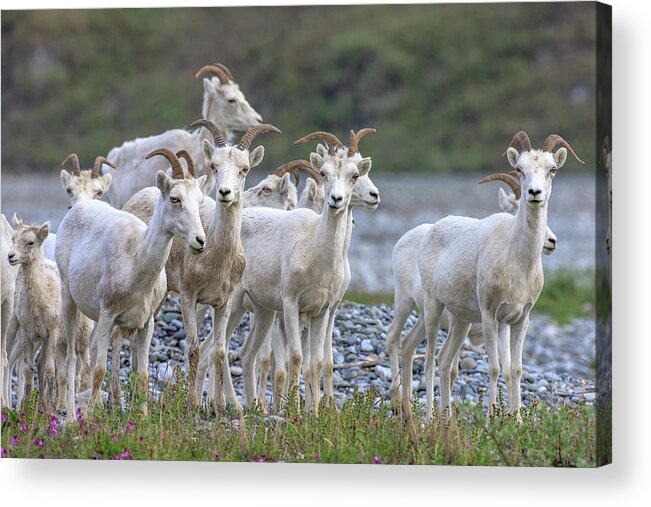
[[225, 69], [253, 132], [293, 167], [74, 159], [217, 135], [223, 76], [177, 168], [356, 138], [185, 154], [97, 166], [331, 139], [522, 139], [554, 140], [506, 178]]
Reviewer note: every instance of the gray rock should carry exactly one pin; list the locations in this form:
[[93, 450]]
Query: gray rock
[[367, 346], [383, 372], [236, 371], [467, 363]]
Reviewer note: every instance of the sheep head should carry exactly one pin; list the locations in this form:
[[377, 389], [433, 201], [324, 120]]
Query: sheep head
[[231, 164], [83, 185], [535, 169], [26, 242], [224, 101]]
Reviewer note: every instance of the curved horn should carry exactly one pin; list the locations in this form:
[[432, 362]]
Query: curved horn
[[97, 166], [214, 70], [331, 139], [185, 154], [522, 139], [177, 168], [554, 140], [217, 135], [293, 168], [76, 170], [253, 132], [356, 138], [506, 178], [225, 69]]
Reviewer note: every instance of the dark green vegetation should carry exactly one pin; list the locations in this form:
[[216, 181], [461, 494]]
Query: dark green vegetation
[[361, 432], [446, 85], [567, 294]]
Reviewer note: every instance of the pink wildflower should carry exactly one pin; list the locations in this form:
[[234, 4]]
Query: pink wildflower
[[38, 442], [114, 437], [376, 460], [3, 453], [218, 456], [15, 440]]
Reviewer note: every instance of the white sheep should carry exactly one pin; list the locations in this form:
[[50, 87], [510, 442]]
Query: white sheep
[[487, 271], [294, 265], [223, 104], [112, 269], [312, 196], [7, 288], [210, 278], [408, 293]]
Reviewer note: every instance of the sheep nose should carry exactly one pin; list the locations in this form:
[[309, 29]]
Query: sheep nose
[[336, 198], [535, 191], [224, 191], [375, 194], [552, 241], [200, 240], [11, 257]]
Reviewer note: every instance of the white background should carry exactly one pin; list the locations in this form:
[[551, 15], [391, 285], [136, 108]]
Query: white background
[[626, 482]]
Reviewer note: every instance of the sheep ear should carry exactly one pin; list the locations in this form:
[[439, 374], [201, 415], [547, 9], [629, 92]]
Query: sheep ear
[[207, 85], [201, 182], [507, 202], [512, 155], [106, 180], [560, 157], [164, 182], [256, 156], [43, 232], [65, 178], [284, 182], [316, 161], [313, 189], [208, 149], [364, 166], [321, 150]]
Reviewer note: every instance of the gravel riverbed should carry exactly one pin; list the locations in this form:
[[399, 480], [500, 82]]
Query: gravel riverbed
[[558, 360]]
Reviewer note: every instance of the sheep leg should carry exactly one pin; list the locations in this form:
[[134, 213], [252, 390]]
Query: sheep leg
[[430, 369], [504, 350], [143, 341], [189, 312], [449, 356], [62, 379], [407, 350], [490, 330], [260, 329], [26, 370], [49, 350], [84, 355], [293, 334], [220, 358], [402, 311], [70, 315], [6, 318], [519, 333], [116, 348], [233, 321], [279, 349], [263, 364], [9, 339], [328, 365], [102, 337], [317, 339]]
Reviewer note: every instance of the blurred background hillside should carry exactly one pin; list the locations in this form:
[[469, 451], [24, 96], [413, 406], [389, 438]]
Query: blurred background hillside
[[446, 85]]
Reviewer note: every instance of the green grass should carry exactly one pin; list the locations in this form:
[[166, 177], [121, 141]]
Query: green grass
[[361, 432], [567, 294]]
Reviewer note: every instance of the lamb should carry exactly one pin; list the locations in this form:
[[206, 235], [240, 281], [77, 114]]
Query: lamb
[[275, 191], [80, 185], [223, 104], [312, 196], [210, 279], [37, 310], [112, 268], [7, 288], [408, 292], [306, 271], [487, 271]]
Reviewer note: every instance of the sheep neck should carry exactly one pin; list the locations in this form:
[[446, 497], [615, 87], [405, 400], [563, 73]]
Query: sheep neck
[[155, 246], [225, 226], [331, 233], [528, 235]]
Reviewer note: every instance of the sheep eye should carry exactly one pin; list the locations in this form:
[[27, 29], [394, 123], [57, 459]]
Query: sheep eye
[[322, 174], [69, 190], [245, 170], [232, 101], [175, 200], [355, 177], [553, 170], [266, 190], [518, 169], [213, 166], [99, 193]]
